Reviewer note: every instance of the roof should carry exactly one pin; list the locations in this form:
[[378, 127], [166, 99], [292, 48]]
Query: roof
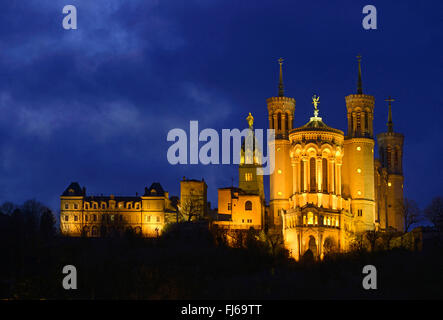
[[155, 189], [316, 124], [73, 190]]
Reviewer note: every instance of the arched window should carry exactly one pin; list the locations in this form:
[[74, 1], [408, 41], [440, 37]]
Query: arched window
[[248, 205], [279, 121], [325, 175], [396, 158], [312, 183]]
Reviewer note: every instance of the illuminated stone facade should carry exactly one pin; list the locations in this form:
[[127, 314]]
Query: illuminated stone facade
[[98, 216], [326, 185]]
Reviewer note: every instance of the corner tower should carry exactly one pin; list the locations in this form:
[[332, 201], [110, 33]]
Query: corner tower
[[391, 154], [281, 115], [358, 160]]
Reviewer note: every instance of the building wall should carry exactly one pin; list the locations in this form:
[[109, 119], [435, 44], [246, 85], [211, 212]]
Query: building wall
[[232, 202], [93, 218]]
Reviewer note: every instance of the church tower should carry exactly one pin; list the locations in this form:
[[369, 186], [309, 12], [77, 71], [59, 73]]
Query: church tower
[[358, 160], [250, 161], [391, 153], [281, 115]]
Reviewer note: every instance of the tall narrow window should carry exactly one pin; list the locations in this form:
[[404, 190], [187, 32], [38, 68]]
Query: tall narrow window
[[248, 205], [312, 175], [396, 158], [279, 121], [302, 176], [287, 122], [366, 122], [382, 157], [325, 175], [388, 157], [358, 122]]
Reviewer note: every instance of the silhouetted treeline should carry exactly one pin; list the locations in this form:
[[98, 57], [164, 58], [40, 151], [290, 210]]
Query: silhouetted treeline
[[191, 262]]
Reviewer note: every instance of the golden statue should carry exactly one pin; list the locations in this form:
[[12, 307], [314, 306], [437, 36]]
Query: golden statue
[[315, 102], [250, 120]]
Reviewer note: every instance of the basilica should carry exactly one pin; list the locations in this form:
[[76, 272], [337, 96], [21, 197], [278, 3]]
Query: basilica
[[327, 186]]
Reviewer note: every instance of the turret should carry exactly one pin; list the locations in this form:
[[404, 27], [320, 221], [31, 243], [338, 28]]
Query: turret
[[358, 160], [281, 115], [391, 152]]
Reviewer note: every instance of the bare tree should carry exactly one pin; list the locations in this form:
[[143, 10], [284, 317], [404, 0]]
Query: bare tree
[[434, 212], [190, 208], [410, 213]]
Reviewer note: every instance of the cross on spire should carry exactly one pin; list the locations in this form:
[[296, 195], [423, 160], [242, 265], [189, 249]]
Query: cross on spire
[[390, 123]]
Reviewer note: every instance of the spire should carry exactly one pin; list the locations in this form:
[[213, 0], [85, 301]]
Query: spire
[[281, 91], [390, 123], [359, 85]]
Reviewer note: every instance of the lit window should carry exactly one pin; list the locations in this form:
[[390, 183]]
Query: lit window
[[359, 192], [358, 148], [248, 176], [279, 171], [328, 221], [279, 193], [358, 170], [120, 205], [112, 217], [310, 218], [389, 184]]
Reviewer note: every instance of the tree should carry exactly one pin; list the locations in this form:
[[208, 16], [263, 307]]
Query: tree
[[434, 212], [372, 237], [410, 213], [8, 207], [47, 223], [190, 208]]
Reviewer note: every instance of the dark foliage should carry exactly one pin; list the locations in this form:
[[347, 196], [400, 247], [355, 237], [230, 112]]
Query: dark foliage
[[189, 262]]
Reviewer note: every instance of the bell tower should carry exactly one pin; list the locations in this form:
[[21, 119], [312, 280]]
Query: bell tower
[[250, 161], [358, 159], [281, 115], [391, 154]]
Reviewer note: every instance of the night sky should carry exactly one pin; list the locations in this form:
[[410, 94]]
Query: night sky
[[94, 105]]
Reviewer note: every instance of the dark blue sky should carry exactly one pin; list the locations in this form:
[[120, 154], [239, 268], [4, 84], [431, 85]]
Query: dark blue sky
[[94, 105]]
